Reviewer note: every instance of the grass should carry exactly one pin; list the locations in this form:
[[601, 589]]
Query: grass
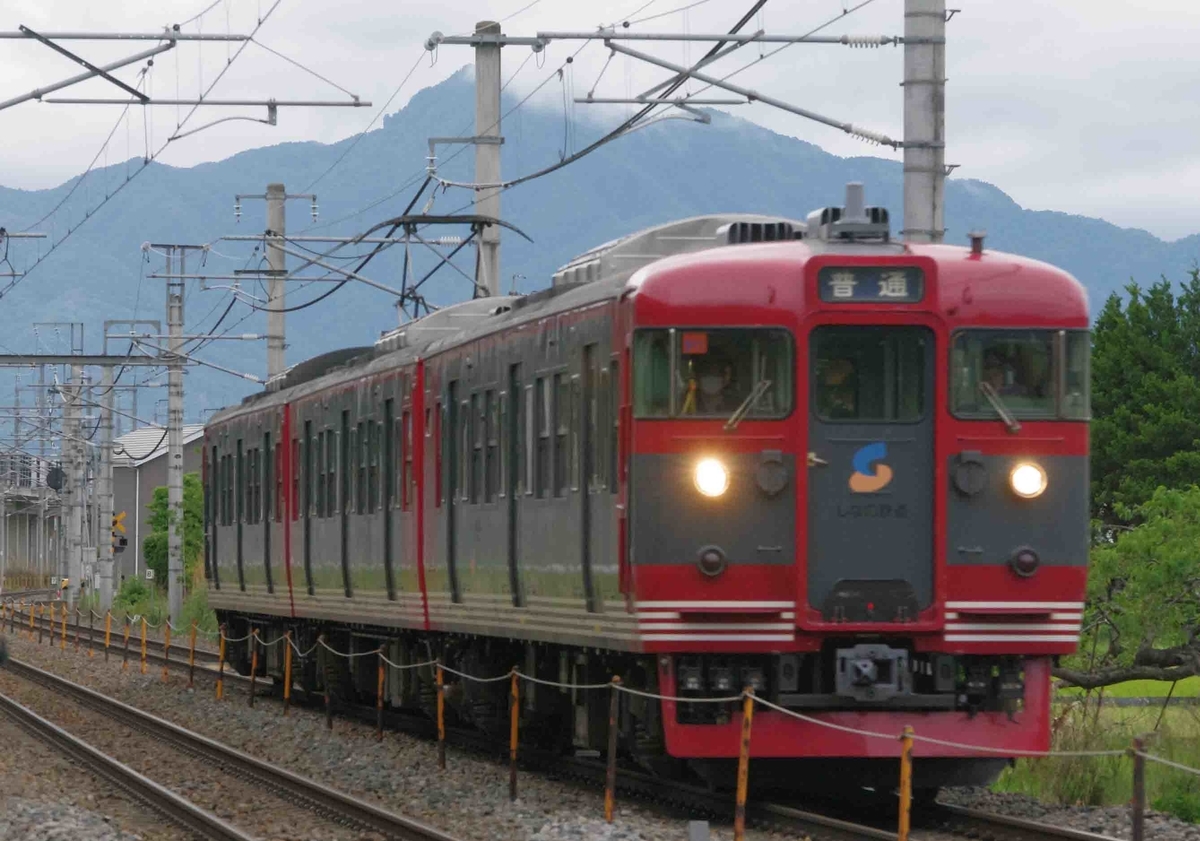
[[1084, 724]]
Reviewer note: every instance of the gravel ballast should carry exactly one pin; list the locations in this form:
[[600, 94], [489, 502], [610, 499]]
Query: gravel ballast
[[468, 800], [44, 796]]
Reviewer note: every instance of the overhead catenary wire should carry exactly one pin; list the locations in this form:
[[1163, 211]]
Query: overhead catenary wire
[[150, 157]]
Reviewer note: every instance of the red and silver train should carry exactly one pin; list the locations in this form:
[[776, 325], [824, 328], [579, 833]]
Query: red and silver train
[[733, 450]]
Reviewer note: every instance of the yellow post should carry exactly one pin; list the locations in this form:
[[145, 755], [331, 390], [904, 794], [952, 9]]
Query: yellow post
[[166, 650], [514, 717], [441, 717], [62, 642], [379, 698], [610, 777], [253, 661], [125, 655], [143, 645], [743, 772], [906, 742], [107, 633], [287, 671], [33, 610], [221, 663], [78, 624], [192, 658]]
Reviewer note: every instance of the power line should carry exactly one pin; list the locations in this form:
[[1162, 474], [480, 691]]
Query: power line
[[363, 133]]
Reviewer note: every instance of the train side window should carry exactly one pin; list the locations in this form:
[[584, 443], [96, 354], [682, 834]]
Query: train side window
[[331, 468], [277, 469], [358, 446], [575, 421], [503, 456], [470, 465], [561, 424], [614, 425], [595, 391], [439, 419], [374, 435], [541, 472], [406, 460], [319, 470], [240, 493], [309, 499], [296, 480], [491, 465], [1075, 402]]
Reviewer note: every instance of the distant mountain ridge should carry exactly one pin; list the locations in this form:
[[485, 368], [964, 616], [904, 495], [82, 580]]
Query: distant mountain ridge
[[669, 171]]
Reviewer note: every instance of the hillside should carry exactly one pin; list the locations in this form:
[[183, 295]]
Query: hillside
[[667, 171]]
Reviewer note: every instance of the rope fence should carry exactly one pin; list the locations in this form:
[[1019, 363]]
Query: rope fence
[[12, 621]]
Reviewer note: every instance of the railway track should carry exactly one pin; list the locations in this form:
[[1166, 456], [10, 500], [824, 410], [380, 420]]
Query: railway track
[[334, 806]]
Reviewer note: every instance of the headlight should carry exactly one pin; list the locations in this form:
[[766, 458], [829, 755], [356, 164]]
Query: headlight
[[1028, 480], [711, 477]]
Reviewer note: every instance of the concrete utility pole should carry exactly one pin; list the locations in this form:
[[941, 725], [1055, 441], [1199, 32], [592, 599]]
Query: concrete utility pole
[[487, 153], [104, 490], [74, 483], [276, 285], [175, 582], [924, 120]]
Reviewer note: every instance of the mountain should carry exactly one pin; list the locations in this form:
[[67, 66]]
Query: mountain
[[666, 171]]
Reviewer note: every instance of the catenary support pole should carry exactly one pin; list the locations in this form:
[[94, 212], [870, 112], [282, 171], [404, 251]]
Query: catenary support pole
[[924, 120], [175, 581], [104, 489], [75, 495], [487, 154], [277, 263]]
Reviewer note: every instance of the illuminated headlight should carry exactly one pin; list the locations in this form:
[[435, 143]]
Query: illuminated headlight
[[712, 479], [1028, 480]]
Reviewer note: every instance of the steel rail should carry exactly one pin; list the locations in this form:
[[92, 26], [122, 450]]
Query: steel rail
[[164, 801], [977, 824], [307, 792]]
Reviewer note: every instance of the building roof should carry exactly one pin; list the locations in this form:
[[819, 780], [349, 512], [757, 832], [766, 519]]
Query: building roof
[[149, 442]]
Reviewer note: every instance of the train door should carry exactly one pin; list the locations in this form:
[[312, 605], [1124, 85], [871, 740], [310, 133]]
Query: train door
[[451, 438], [870, 472]]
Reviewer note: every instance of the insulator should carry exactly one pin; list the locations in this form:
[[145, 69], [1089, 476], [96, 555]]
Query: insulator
[[871, 136], [237, 211], [314, 209], [864, 41]]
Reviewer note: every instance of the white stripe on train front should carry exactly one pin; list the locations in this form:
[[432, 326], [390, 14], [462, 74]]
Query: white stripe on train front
[[1001, 627], [716, 605], [1062, 638], [1014, 606], [718, 637]]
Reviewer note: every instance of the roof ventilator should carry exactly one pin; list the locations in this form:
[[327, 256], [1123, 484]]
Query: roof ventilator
[[736, 233], [854, 222]]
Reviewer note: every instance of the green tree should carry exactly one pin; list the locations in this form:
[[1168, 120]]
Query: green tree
[[1143, 615], [1145, 398], [154, 546]]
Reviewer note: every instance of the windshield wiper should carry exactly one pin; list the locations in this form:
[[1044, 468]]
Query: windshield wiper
[[741, 411], [993, 397]]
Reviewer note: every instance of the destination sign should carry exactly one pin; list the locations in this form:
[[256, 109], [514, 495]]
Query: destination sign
[[871, 284]]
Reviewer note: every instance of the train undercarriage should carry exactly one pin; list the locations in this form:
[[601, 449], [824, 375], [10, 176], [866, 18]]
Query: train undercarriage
[[567, 721]]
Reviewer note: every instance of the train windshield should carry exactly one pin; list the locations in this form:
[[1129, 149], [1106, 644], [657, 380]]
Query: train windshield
[[1031, 373], [702, 373]]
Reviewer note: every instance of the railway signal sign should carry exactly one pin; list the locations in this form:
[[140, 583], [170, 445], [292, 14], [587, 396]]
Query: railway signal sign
[[119, 540]]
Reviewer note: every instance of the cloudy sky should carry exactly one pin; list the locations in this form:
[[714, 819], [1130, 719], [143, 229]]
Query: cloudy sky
[[1084, 106]]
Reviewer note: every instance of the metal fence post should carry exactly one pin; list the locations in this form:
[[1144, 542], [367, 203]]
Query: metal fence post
[[107, 633], [144, 644], [743, 772], [287, 671], [220, 692], [513, 736], [253, 662], [1138, 806], [166, 648], [125, 658], [610, 779], [325, 681], [906, 743], [192, 658], [91, 632], [379, 698], [441, 717]]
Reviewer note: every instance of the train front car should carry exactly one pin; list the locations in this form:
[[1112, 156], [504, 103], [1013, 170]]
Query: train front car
[[857, 483]]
